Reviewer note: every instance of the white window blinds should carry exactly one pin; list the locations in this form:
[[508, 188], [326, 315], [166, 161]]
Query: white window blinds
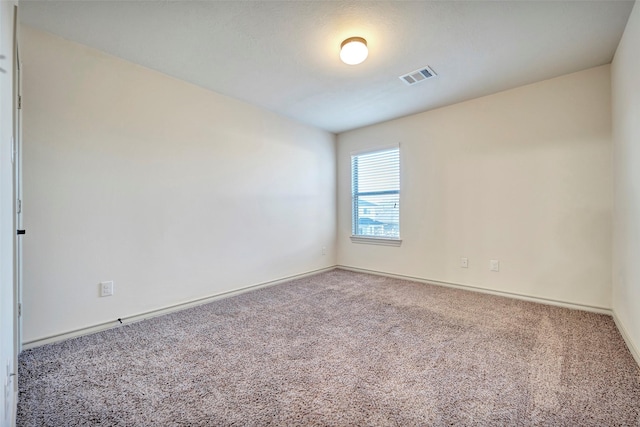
[[376, 194]]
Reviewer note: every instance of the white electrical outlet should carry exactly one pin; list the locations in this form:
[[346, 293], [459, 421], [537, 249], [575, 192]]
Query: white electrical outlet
[[494, 265], [106, 289], [464, 262], [324, 250]]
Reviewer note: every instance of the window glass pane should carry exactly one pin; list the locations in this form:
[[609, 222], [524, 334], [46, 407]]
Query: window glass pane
[[379, 216], [376, 194]]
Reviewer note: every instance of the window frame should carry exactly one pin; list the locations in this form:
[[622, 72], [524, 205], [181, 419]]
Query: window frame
[[366, 239]]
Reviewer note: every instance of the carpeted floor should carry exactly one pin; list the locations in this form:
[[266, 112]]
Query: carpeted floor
[[341, 348]]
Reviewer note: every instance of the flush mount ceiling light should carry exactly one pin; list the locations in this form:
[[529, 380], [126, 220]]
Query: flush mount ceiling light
[[353, 50]]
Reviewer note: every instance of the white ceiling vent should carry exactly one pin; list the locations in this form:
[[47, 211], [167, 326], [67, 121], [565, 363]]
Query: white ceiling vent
[[418, 76]]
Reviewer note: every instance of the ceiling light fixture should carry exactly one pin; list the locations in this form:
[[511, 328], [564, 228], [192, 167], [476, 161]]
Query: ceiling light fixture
[[353, 50]]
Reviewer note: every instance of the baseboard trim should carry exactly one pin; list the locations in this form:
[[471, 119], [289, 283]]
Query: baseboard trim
[[163, 310], [635, 352], [547, 301], [204, 300]]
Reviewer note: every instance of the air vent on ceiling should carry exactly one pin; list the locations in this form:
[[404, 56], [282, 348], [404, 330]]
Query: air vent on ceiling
[[418, 76]]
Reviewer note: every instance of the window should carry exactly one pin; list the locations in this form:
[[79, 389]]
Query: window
[[375, 183]]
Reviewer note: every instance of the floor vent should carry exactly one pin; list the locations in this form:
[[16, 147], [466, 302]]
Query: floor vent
[[418, 76]]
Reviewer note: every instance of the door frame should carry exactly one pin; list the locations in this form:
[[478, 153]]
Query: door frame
[[17, 199]]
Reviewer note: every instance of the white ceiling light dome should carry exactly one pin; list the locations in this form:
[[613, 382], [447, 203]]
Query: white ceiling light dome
[[354, 50]]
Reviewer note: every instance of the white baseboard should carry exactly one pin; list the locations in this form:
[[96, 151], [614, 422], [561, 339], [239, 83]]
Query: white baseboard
[[163, 310], [635, 352], [181, 306], [547, 301]]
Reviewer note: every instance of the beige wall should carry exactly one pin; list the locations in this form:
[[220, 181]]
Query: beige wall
[[626, 137], [522, 176], [172, 191]]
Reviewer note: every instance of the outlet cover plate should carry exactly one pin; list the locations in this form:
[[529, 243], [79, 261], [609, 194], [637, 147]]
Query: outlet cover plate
[[494, 265], [106, 289]]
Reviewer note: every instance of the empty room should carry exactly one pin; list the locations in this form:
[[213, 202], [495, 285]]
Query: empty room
[[323, 213]]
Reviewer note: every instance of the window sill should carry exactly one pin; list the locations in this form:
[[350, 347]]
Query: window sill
[[376, 240]]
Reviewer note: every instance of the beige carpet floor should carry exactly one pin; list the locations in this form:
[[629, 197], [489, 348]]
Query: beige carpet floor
[[338, 349]]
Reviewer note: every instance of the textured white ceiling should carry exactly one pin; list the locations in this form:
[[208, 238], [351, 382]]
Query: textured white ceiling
[[283, 55]]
